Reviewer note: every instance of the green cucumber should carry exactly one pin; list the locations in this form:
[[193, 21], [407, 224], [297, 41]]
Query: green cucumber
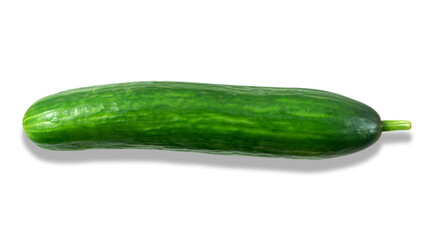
[[221, 119]]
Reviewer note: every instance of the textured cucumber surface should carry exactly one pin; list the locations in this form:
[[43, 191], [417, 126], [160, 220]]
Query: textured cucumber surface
[[224, 119]]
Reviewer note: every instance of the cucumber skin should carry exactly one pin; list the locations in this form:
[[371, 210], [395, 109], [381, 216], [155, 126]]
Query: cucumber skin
[[221, 119]]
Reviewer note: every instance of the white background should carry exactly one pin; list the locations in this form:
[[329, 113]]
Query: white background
[[367, 50]]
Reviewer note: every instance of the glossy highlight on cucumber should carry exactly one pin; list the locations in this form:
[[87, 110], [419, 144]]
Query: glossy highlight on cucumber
[[200, 117]]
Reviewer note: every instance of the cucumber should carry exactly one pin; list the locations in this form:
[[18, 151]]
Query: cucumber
[[221, 119]]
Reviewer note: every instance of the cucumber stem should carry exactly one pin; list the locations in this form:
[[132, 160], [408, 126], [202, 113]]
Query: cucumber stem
[[393, 125]]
